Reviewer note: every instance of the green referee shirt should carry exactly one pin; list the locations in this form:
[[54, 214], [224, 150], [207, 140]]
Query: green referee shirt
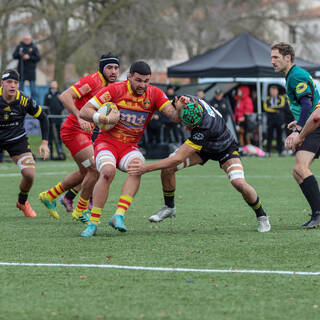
[[299, 83]]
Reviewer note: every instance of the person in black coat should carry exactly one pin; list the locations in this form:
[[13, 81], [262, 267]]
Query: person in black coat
[[55, 108], [28, 56]]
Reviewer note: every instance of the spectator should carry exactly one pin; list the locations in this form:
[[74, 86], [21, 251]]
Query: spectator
[[55, 108], [200, 94], [28, 56], [220, 103], [274, 106], [243, 106], [172, 132]]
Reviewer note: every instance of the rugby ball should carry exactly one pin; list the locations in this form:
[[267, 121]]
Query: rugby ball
[[106, 109]]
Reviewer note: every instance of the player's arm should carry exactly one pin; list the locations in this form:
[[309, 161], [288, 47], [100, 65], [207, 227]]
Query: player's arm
[[184, 152], [172, 110]]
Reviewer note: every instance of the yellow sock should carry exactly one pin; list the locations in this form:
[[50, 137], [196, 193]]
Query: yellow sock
[[95, 215], [54, 192], [82, 204], [123, 204]]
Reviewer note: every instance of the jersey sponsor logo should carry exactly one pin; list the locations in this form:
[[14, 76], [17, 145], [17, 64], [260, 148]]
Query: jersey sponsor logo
[[198, 136], [7, 109], [85, 89], [301, 87], [133, 119], [106, 97], [6, 116]]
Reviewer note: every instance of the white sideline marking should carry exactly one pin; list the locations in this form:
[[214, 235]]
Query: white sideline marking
[[37, 174], [111, 266]]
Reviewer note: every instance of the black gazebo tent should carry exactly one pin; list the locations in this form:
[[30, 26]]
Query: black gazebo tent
[[243, 56]]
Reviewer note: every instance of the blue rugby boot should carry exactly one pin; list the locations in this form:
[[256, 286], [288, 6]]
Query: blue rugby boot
[[49, 204], [90, 230], [116, 222]]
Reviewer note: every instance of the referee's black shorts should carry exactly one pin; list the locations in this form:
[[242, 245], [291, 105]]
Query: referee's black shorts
[[311, 143]]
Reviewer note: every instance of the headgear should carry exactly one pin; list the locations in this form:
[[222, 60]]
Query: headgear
[[10, 74], [191, 115], [108, 59]]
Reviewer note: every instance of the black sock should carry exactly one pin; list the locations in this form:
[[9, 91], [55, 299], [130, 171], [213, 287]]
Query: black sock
[[71, 194], [310, 189], [257, 208], [169, 198], [22, 197]]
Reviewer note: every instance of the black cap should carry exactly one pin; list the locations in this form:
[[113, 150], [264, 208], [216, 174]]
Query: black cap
[[218, 91]]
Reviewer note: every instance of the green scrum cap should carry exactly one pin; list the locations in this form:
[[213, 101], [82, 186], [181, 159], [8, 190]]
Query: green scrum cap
[[191, 115]]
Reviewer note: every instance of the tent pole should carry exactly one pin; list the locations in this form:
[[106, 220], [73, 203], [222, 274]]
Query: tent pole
[[259, 112]]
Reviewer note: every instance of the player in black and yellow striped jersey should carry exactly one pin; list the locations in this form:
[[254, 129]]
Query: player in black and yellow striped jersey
[[210, 140], [14, 106]]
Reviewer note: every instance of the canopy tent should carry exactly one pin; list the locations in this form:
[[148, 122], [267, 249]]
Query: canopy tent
[[242, 59], [244, 56]]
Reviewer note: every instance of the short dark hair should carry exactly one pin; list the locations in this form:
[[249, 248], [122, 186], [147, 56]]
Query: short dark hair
[[140, 67], [285, 49]]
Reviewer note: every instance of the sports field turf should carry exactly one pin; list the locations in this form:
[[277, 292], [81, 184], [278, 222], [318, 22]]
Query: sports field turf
[[214, 229]]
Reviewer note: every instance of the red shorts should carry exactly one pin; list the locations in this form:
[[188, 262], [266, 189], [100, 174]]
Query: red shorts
[[122, 152], [74, 138]]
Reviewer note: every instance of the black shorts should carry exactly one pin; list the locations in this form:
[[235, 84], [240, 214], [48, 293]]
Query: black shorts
[[230, 153], [16, 147], [312, 143]]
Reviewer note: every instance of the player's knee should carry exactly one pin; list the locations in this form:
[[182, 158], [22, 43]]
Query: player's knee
[[298, 171], [239, 184], [107, 173], [28, 175], [26, 162]]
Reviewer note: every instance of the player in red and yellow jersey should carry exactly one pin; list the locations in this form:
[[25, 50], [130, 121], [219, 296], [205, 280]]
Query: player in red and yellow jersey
[[116, 148], [76, 135]]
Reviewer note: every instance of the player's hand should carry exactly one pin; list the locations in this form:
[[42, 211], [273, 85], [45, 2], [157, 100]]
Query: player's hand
[[26, 57], [112, 118], [296, 142], [44, 150], [86, 126], [136, 168], [292, 125], [181, 102], [290, 139]]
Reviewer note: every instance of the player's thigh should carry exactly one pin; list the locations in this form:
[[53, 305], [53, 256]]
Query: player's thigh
[[128, 155], [85, 158], [304, 159]]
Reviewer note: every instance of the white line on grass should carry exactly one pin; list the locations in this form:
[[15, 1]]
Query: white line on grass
[[38, 174], [111, 266]]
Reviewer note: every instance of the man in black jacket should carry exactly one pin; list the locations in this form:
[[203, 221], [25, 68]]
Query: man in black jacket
[[55, 107], [28, 56]]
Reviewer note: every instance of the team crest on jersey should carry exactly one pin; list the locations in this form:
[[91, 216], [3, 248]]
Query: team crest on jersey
[[85, 89], [105, 97], [7, 109], [301, 87], [147, 104]]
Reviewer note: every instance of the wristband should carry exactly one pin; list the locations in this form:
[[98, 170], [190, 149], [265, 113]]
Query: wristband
[[95, 117], [295, 129]]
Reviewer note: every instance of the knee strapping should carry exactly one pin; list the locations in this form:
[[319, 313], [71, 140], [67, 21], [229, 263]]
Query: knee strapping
[[235, 171], [103, 158], [26, 162]]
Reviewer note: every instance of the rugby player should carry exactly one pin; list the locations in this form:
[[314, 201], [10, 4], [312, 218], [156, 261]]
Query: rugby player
[[14, 106], [304, 97], [76, 135], [117, 148], [210, 140]]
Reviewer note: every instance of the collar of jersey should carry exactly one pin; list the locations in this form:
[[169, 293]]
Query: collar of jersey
[[290, 71], [104, 82]]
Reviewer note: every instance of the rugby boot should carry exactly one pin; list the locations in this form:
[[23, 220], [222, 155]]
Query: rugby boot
[[116, 222], [81, 215], [263, 224], [49, 204], [90, 230], [163, 213], [26, 209], [67, 203], [314, 221]]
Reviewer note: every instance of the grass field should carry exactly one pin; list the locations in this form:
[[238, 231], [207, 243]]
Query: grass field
[[214, 229]]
